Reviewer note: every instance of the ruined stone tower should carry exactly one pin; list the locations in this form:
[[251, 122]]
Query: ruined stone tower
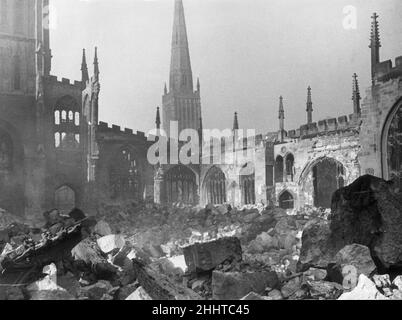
[[181, 103]]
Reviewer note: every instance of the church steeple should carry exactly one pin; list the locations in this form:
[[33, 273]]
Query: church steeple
[[84, 69], [158, 119], [356, 95], [375, 45], [235, 122], [309, 106], [281, 120], [96, 65], [181, 76]]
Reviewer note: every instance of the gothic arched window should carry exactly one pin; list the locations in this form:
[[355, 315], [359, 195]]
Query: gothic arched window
[[247, 183], [286, 200], [279, 169], [290, 167], [66, 124], [125, 176]]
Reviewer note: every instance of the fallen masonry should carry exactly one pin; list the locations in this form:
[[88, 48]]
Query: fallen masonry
[[143, 251]]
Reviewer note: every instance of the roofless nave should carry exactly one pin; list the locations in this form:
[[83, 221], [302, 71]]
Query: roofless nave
[[54, 151]]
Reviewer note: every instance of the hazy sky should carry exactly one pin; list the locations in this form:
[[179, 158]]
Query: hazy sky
[[246, 52]]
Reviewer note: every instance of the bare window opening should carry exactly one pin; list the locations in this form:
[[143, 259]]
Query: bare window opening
[[290, 167], [286, 200], [63, 116], [247, 184], [215, 186], [77, 138], [57, 139], [77, 119], [279, 169], [181, 185], [125, 176], [57, 117]]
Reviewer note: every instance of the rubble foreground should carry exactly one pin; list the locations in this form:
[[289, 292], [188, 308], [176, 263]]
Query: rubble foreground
[[143, 251]]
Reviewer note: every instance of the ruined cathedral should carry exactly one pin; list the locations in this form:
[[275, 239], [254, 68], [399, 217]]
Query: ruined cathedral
[[56, 153]]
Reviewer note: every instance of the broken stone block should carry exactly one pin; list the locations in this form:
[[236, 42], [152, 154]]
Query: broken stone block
[[382, 281], [235, 285], [317, 249], [111, 242], [139, 294], [398, 282], [197, 285], [160, 286], [368, 212], [102, 228], [207, 256], [275, 295], [291, 287], [324, 289], [88, 254], [358, 256], [70, 283], [315, 274], [365, 290], [97, 290]]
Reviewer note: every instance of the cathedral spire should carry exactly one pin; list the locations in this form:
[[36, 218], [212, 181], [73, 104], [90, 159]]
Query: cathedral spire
[[181, 77], [158, 119], [84, 69], [356, 95], [235, 122], [96, 65], [281, 120], [375, 44], [309, 106], [281, 114]]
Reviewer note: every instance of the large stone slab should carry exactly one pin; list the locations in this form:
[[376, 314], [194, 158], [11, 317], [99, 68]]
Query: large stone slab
[[236, 285], [206, 256]]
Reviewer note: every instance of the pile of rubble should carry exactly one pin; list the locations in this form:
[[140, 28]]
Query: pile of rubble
[[144, 251]]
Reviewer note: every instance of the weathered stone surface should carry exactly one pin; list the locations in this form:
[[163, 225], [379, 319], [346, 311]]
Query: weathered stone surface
[[88, 253], [97, 290], [160, 286], [275, 295], [324, 289], [365, 290], [139, 294], [111, 242], [206, 256], [382, 281], [398, 282], [291, 287], [51, 295], [317, 249], [235, 285], [11, 293], [358, 256], [102, 228], [368, 212], [315, 274]]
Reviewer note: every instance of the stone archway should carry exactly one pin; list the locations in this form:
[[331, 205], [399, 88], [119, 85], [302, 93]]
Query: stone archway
[[321, 179], [392, 147], [214, 186], [181, 185]]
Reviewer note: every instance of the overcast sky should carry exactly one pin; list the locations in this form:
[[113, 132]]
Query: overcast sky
[[246, 53]]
